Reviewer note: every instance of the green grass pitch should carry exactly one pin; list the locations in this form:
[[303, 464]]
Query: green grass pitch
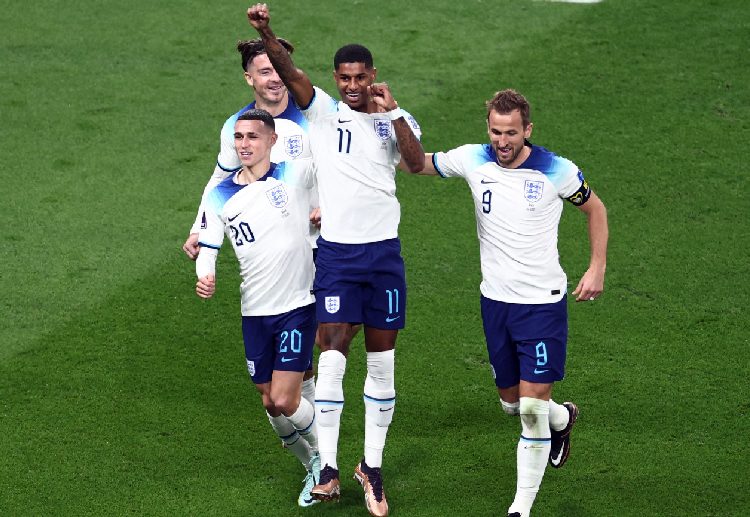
[[122, 393]]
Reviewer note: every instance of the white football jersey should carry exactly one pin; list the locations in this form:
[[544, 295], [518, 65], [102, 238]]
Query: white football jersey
[[266, 222], [292, 144], [518, 212], [355, 158]]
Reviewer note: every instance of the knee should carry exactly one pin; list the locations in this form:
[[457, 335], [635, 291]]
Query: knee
[[269, 405], [285, 403]]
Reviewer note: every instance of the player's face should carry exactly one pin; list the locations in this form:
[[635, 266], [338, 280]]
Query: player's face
[[507, 136], [352, 80], [262, 77], [253, 141]]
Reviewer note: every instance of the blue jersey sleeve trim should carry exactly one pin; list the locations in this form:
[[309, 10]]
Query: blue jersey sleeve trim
[[434, 164], [227, 170], [312, 99], [206, 245]]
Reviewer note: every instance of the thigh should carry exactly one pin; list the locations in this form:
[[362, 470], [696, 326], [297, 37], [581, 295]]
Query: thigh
[[380, 340], [500, 347], [541, 334], [286, 385], [335, 336]]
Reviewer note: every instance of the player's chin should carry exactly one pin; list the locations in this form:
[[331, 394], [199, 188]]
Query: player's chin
[[275, 94]]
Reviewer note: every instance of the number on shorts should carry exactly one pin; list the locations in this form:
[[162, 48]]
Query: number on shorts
[[541, 354], [295, 341]]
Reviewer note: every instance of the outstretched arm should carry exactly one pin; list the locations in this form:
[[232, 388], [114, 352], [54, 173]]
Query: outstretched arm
[[412, 154], [295, 79], [592, 282], [429, 167]]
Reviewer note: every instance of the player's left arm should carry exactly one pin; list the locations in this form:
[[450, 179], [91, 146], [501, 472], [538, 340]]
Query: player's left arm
[[412, 153], [591, 284]]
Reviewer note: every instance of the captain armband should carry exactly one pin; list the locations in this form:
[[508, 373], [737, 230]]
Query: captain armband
[[581, 195]]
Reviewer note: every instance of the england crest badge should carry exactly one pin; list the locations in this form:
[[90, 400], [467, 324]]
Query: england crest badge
[[383, 129], [278, 196], [532, 190], [332, 304], [293, 145]]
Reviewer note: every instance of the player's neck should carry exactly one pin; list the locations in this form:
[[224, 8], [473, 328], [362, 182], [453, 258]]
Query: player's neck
[[274, 108], [253, 173], [522, 157]]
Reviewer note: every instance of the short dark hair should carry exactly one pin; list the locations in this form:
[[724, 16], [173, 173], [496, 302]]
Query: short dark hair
[[251, 48], [352, 53], [258, 114], [508, 100]]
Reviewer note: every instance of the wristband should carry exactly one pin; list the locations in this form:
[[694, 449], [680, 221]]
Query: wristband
[[395, 113]]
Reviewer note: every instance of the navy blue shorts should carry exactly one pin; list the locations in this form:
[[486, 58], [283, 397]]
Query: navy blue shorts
[[361, 283], [281, 342], [525, 341]]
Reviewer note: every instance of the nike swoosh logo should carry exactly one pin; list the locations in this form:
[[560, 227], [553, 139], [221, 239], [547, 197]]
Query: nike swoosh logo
[[327, 410], [235, 217], [388, 319], [485, 182], [287, 359], [385, 410], [537, 371], [344, 121]]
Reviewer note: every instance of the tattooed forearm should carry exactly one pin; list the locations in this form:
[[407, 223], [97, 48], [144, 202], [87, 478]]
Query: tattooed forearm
[[412, 153]]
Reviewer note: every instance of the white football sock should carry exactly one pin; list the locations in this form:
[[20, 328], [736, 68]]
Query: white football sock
[[329, 403], [308, 390], [291, 438], [380, 403], [303, 421], [532, 453], [558, 416], [511, 408]]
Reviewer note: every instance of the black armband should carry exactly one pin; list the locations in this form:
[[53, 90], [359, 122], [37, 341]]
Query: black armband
[[581, 195]]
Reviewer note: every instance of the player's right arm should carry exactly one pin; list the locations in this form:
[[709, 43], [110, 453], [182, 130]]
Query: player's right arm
[[429, 166], [226, 163], [458, 162], [191, 247], [295, 79], [211, 237], [205, 270], [206, 286]]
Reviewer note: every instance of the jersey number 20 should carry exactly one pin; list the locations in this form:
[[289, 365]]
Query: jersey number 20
[[242, 234]]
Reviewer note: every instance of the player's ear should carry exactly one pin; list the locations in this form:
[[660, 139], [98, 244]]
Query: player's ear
[[249, 79], [527, 130], [374, 74], [274, 137]]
